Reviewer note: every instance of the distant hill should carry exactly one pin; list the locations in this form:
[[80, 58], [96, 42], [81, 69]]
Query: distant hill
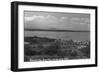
[[57, 30]]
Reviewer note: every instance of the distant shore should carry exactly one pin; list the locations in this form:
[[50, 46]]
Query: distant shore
[[56, 30]]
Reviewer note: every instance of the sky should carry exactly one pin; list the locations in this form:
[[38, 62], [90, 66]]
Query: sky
[[56, 20]]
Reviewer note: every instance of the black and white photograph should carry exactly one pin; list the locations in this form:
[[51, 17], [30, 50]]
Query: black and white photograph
[[56, 36], [52, 36]]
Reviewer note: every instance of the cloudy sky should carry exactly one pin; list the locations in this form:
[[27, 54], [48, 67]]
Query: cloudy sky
[[56, 20]]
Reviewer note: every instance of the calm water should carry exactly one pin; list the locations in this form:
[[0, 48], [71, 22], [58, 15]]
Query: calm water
[[61, 35]]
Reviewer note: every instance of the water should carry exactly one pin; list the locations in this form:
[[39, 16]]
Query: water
[[59, 35]]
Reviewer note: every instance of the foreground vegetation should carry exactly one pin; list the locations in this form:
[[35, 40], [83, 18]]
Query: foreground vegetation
[[37, 49]]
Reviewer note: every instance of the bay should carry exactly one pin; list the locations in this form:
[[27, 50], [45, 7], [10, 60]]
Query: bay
[[59, 35]]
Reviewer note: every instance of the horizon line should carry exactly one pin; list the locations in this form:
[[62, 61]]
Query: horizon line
[[56, 30]]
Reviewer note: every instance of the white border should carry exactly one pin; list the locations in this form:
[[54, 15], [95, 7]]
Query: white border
[[22, 64]]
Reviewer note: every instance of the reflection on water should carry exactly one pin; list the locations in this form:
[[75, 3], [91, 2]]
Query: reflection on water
[[59, 35]]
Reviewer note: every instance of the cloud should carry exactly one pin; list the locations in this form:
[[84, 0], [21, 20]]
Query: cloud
[[46, 22], [87, 20], [40, 17], [75, 19], [39, 21], [34, 17], [54, 22], [82, 23], [64, 18]]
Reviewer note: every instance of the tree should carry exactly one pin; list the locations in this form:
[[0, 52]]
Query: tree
[[52, 49]]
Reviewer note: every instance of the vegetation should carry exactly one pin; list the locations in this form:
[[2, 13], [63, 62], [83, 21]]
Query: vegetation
[[38, 48]]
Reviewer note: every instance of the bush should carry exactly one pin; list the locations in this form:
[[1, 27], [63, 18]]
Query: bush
[[26, 58], [51, 50], [86, 51]]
